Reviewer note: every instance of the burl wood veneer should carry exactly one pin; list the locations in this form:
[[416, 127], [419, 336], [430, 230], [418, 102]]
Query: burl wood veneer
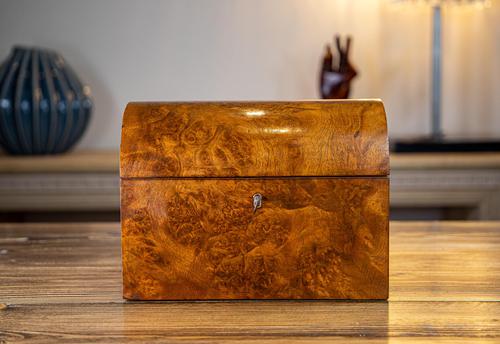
[[321, 138], [192, 227]]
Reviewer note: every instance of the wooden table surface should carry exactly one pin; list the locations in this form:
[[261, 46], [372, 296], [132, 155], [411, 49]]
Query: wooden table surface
[[61, 283]]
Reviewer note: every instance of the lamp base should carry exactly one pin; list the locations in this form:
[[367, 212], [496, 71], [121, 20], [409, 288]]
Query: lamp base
[[445, 145]]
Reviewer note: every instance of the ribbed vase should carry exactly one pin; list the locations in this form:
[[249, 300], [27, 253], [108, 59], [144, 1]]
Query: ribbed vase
[[44, 108]]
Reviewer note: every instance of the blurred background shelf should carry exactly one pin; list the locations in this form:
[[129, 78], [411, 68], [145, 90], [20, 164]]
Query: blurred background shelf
[[79, 186], [445, 186], [84, 185]]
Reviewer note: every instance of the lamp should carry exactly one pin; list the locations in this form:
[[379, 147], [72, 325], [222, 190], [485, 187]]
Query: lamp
[[436, 141]]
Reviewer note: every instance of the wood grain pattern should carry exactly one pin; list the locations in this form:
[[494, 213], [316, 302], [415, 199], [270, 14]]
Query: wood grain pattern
[[310, 138], [61, 283], [273, 322], [200, 239], [425, 264]]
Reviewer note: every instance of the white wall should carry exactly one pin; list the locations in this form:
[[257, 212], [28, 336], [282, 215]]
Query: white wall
[[265, 49]]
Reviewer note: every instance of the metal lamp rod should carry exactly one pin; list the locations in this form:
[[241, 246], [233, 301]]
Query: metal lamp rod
[[436, 73]]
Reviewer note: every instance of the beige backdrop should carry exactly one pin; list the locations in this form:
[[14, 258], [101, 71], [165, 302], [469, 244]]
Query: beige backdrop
[[266, 49]]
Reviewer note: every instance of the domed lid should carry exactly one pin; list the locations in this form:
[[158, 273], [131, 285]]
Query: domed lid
[[254, 139]]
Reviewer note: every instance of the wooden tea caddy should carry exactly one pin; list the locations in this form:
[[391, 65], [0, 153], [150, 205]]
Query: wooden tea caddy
[[255, 200]]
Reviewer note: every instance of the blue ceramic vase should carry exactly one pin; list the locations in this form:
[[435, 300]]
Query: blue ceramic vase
[[44, 108]]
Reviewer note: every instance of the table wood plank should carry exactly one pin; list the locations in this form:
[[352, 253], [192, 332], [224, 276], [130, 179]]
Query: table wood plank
[[62, 283], [251, 320], [450, 261]]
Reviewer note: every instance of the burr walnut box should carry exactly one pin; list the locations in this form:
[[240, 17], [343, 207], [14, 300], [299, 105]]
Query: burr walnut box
[[255, 200]]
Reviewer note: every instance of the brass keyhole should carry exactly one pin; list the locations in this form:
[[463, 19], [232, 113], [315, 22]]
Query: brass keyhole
[[257, 201]]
